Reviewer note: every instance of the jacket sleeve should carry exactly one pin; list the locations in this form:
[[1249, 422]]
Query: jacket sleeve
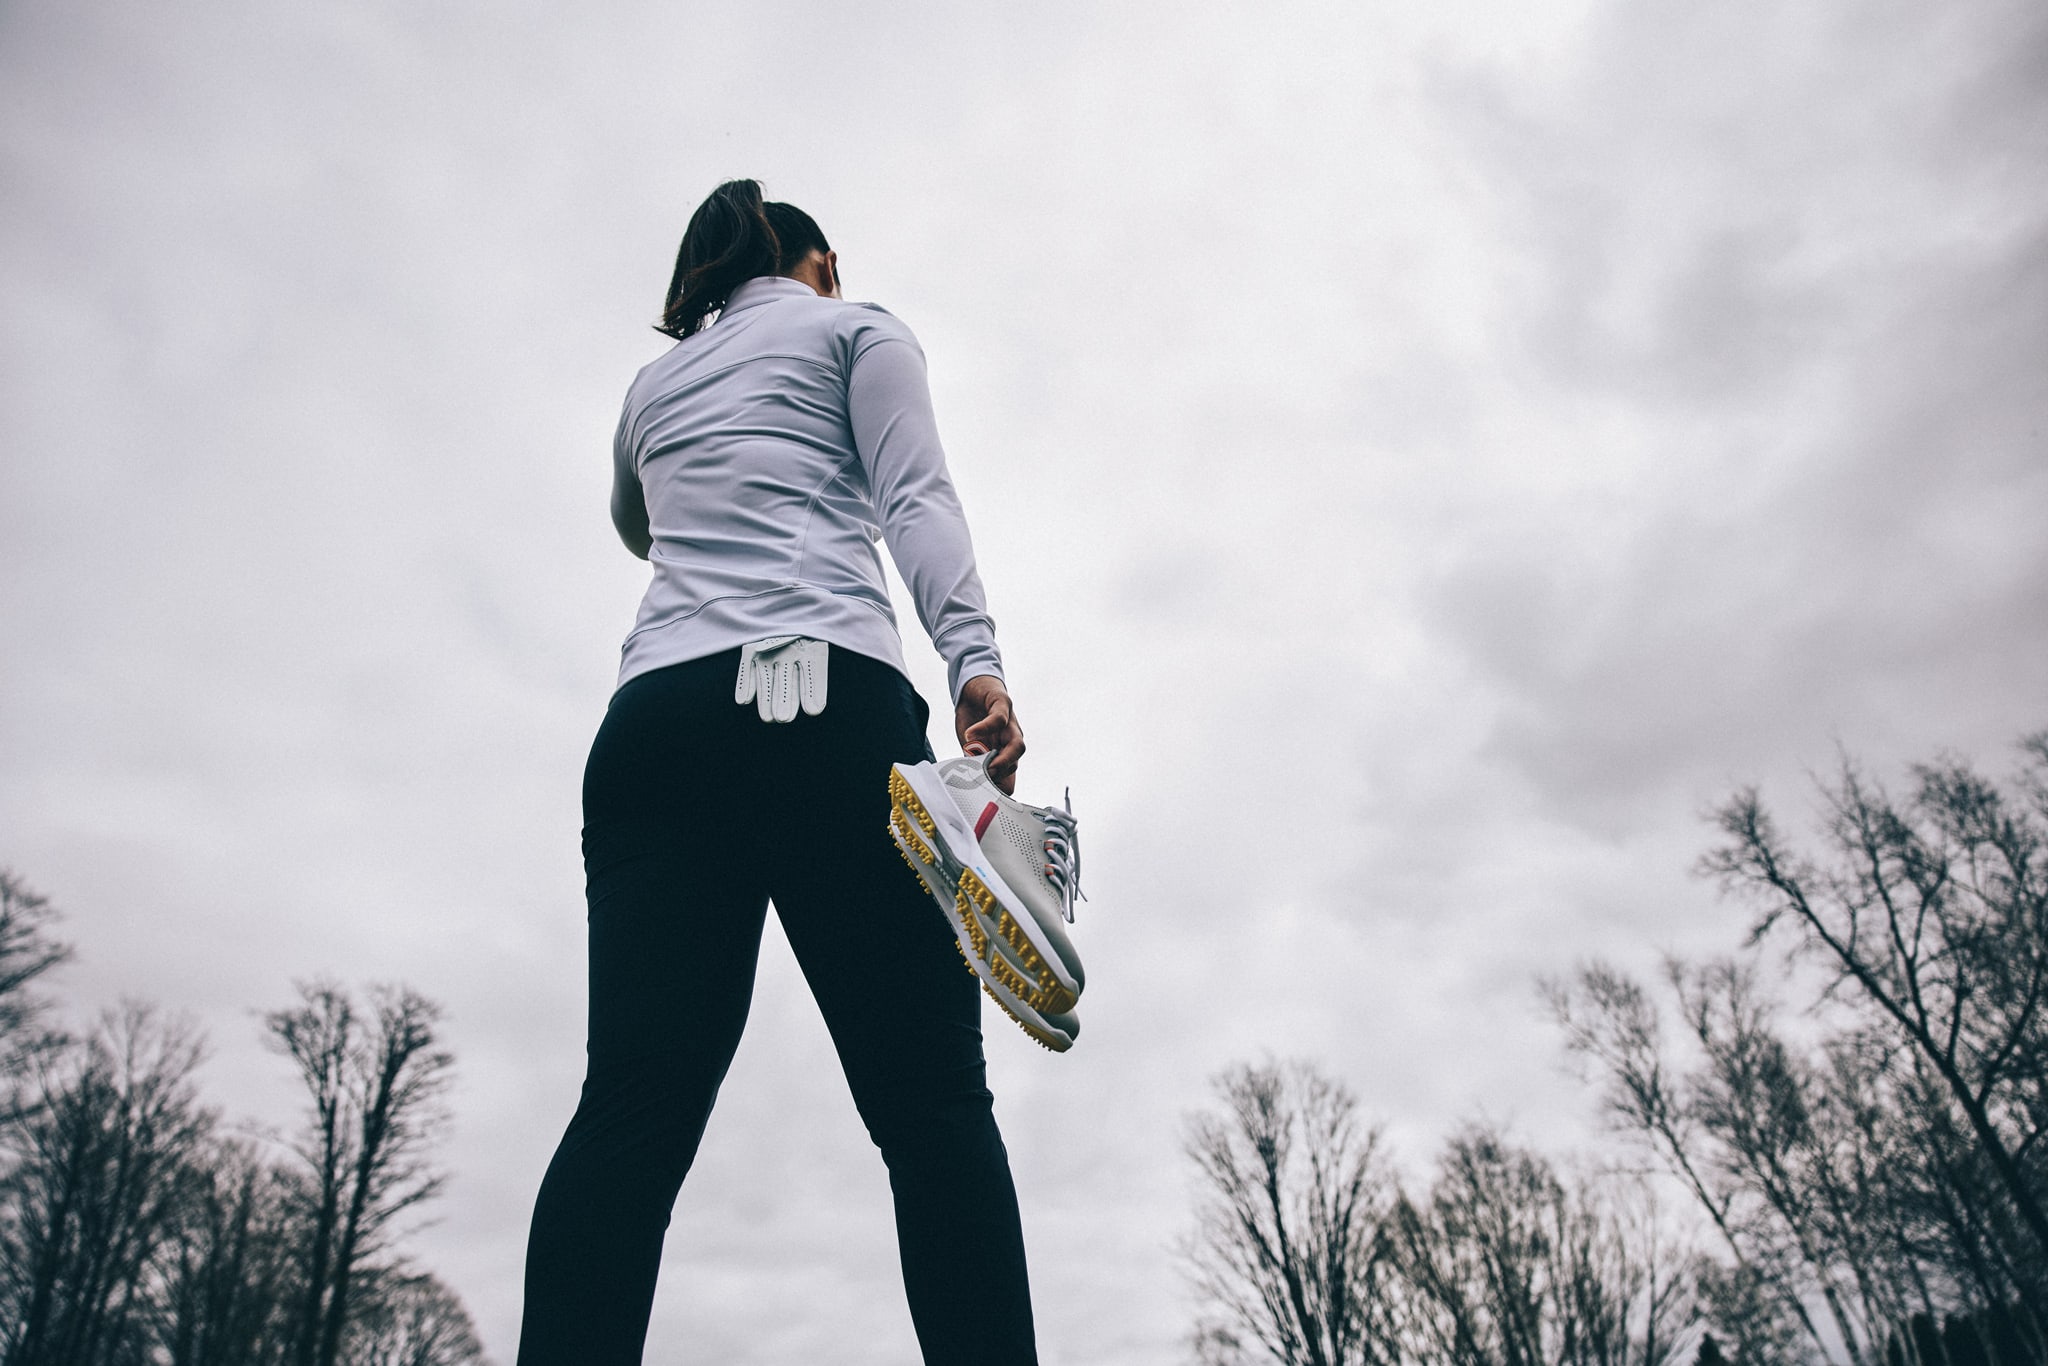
[[629, 499], [889, 403]]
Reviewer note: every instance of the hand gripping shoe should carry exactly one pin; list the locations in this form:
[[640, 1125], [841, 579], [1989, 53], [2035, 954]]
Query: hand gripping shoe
[[1006, 875]]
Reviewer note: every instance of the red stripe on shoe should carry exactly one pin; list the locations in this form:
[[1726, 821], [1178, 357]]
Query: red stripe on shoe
[[988, 814]]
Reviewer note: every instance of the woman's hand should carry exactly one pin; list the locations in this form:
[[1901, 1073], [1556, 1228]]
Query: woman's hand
[[984, 721]]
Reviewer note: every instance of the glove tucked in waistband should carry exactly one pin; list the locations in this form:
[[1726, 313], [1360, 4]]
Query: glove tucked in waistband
[[780, 674]]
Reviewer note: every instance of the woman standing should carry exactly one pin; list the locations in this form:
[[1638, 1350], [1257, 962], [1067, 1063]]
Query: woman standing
[[756, 464]]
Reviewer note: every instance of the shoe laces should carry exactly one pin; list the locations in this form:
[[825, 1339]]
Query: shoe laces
[[1062, 841], [1063, 853]]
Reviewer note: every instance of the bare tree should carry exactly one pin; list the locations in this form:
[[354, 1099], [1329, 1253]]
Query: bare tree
[[224, 1287], [374, 1082], [1291, 1253], [1933, 913], [27, 951], [132, 1231], [1507, 1264], [410, 1319], [1306, 1251], [92, 1195], [1610, 1021], [1797, 1140], [1891, 1170], [1816, 1167]]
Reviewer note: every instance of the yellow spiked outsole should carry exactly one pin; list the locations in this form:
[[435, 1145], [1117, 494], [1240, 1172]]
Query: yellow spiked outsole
[[911, 841], [907, 802], [1051, 1043], [1041, 988]]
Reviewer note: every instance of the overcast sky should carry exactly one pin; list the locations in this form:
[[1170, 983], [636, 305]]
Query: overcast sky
[[1421, 455]]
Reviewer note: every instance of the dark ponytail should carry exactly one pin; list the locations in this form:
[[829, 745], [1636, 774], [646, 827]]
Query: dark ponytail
[[733, 237]]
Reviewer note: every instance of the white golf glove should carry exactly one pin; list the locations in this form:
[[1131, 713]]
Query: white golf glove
[[781, 673]]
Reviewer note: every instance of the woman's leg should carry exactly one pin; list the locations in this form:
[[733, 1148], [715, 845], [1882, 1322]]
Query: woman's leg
[[676, 907], [904, 1012]]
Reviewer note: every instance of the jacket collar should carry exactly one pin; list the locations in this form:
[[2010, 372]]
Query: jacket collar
[[763, 288]]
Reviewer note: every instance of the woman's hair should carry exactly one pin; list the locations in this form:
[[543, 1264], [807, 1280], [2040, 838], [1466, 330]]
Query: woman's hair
[[732, 238]]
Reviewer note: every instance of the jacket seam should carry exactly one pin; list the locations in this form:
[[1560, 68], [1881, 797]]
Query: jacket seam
[[680, 617]]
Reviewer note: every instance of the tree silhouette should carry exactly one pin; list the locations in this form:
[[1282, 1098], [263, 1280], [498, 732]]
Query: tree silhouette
[[1932, 915], [135, 1231], [412, 1320], [230, 1266], [94, 1192], [27, 952], [374, 1082], [1291, 1248], [1306, 1251], [1868, 1156], [1506, 1263], [1881, 1175]]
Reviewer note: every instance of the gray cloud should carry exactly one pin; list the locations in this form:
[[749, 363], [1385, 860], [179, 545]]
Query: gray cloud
[[1813, 338]]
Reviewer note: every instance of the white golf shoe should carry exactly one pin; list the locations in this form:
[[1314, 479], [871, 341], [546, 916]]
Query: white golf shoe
[[1006, 874]]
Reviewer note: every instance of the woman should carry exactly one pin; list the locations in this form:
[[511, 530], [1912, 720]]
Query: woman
[[756, 464]]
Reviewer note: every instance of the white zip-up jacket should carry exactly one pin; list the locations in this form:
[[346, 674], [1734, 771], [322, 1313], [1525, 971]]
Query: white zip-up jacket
[[773, 449]]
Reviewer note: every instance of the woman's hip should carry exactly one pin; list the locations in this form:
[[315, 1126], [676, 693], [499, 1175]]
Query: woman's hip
[[675, 746]]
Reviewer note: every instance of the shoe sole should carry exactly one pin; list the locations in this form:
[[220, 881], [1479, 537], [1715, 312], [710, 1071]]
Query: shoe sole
[[992, 939]]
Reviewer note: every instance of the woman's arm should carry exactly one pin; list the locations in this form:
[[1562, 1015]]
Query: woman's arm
[[629, 500], [890, 407]]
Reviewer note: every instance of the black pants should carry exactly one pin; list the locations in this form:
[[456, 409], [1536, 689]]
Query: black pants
[[697, 814]]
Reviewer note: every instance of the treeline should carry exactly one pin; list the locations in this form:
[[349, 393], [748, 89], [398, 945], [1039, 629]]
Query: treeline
[[137, 1228], [1832, 1142]]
